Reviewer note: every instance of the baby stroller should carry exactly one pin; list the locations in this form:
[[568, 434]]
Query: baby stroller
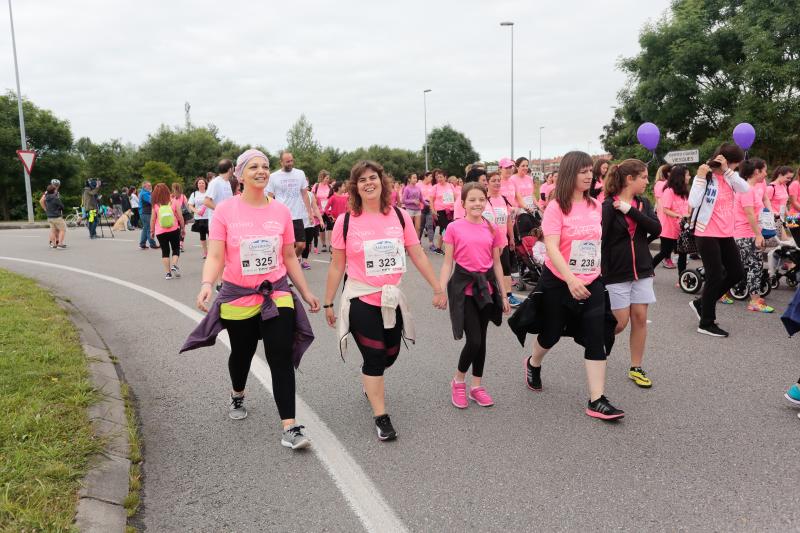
[[784, 262], [529, 266]]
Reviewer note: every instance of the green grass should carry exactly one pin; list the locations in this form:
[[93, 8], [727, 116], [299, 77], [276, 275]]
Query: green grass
[[132, 500], [45, 435]]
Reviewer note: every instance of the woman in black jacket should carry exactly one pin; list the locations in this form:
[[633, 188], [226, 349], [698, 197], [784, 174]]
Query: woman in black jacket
[[629, 224]]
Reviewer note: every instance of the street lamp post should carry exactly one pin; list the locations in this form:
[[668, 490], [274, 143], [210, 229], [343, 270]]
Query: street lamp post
[[425, 108], [511, 24], [23, 137], [541, 161]]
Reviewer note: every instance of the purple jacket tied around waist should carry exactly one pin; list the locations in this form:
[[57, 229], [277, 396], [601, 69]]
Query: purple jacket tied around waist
[[205, 334]]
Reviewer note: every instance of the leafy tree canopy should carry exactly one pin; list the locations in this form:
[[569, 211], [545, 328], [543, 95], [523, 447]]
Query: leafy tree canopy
[[450, 150]]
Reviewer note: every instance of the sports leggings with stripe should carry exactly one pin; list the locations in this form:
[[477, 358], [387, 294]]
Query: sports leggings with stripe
[[379, 346]]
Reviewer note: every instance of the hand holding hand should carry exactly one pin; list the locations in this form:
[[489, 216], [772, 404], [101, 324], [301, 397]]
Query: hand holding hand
[[440, 300]]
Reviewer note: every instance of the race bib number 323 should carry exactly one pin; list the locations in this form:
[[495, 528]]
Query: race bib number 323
[[384, 256]]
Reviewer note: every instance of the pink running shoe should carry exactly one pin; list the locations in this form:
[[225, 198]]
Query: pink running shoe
[[481, 397], [458, 394]]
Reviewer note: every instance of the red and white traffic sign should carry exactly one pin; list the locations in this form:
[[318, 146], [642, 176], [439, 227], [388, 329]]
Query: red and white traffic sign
[[28, 157]]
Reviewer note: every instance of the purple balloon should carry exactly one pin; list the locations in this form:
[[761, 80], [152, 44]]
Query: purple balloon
[[744, 135], [648, 135]]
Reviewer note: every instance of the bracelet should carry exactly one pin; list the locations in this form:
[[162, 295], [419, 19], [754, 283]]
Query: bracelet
[[329, 306], [205, 282]]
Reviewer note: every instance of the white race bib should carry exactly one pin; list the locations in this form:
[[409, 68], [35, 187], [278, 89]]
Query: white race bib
[[500, 216], [259, 255], [528, 201], [766, 220], [448, 198], [323, 203], [488, 215], [384, 256], [584, 257]]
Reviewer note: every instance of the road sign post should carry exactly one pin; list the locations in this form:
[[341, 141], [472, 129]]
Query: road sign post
[[682, 157]]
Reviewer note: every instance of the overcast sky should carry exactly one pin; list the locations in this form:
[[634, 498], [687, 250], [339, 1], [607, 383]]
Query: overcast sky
[[356, 69]]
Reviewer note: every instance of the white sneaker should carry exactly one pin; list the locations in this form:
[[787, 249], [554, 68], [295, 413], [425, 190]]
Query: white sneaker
[[237, 410]]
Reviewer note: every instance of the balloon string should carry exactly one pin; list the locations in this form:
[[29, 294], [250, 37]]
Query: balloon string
[[653, 159]]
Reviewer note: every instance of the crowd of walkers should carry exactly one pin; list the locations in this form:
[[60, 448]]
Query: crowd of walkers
[[595, 223]]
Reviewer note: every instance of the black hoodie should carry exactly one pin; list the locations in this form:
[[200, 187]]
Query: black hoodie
[[626, 258]]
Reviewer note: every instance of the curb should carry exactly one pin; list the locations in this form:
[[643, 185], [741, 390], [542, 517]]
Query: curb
[[104, 489]]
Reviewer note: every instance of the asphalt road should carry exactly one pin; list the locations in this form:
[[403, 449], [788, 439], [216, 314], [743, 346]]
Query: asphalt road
[[711, 447]]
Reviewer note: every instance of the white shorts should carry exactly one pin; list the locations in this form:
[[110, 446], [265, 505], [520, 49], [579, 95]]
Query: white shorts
[[622, 295]]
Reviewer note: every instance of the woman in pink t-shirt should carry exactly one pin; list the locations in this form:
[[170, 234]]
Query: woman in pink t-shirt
[[322, 192], [169, 230], [674, 204], [662, 175], [442, 198], [599, 172], [572, 294], [747, 211], [507, 187], [523, 184], [778, 195], [371, 242], [499, 212], [474, 245], [711, 196], [252, 238], [546, 189]]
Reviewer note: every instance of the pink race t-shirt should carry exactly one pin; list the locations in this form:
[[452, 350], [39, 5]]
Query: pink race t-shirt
[[525, 188], [376, 249], [444, 197], [337, 204], [322, 192], [777, 195], [497, 212], [794, 193], [473, 245], [175, 224], [670, 227], [509, 189], [426, 191], [580, 234], [722, 218], [741, 226], [544, 192], [658, 189], [252, 235]]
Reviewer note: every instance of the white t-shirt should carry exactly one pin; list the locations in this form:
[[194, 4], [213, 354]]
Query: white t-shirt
[[288, 188], [196, 200], [218, 190]]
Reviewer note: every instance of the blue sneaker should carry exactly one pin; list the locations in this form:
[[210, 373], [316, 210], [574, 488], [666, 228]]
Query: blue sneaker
[[793, 394], [513, 301]]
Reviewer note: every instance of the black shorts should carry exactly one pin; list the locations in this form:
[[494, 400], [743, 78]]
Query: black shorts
[[505, 261], [328, 223], [299, 230], [443, 219]]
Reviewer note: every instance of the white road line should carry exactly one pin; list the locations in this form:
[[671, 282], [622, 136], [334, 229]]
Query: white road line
[[363, 496]]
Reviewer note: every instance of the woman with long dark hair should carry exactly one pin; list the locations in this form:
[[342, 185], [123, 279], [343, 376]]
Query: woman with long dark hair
[[712, 195], [674, 206]]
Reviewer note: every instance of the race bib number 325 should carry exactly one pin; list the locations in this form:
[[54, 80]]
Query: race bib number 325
[[584, 257], [384, 256], [259, 255]]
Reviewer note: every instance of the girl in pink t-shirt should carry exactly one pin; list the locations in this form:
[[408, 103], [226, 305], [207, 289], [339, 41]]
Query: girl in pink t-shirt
[[474, 246], [572, 294], [674, 204], [599, 171], [169, 230], [322, 193], [545, 190], [252, 238], [711, 196], [372, 308]]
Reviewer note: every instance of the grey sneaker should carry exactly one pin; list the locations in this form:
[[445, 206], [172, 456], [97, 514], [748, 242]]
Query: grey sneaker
[[293, 438], [237, 410], [176, 271]]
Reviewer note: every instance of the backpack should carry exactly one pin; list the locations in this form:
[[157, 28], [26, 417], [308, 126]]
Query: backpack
[[166, 217], [346, 223]]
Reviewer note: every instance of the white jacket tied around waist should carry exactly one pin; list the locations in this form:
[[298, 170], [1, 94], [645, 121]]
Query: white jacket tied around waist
[[391, 298]]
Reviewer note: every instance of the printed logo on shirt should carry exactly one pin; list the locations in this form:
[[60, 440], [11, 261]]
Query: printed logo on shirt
[[272, 225], [240, 225]]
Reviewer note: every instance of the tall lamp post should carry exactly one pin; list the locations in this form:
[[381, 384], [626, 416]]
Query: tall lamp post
[[511, 25], [541, 161], [23, 137], [425, 108]]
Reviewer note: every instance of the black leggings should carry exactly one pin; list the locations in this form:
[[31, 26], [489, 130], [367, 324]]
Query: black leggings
[[278, 335], [311, 236], [169, 240], [379, 346], [667, 247], [476, 322], [723, 270]]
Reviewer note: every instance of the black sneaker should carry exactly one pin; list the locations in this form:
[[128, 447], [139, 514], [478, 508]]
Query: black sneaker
[[384, 427], [713, 330], [438, 251], [696, 307], [533, 376], [601, 408]]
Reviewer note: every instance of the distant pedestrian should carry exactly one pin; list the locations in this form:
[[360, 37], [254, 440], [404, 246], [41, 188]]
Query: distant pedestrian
[[322, 191], [116, 203], [288, 185], [54, 209], [126, 206], [197, 206], [135, 206], [145, 213], [219, 189], [181, 204], [168, 226], [90, 204]]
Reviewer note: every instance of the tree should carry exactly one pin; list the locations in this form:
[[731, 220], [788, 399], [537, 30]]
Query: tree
[[450, 150], [708, 65], [114, 163], [300, 137], [51, 137], [395, 161], [159, 172]]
